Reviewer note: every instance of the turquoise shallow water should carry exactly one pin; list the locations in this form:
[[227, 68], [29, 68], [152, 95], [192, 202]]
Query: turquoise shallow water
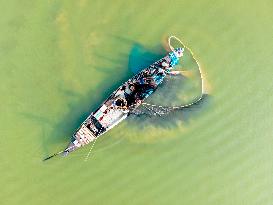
[[60, 59]]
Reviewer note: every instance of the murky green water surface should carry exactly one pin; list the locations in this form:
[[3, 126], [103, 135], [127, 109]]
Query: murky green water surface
[[60, 59]]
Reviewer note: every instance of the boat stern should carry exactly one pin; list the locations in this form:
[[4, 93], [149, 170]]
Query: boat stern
[[81, 137]]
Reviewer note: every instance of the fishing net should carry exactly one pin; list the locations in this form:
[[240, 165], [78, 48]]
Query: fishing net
[[176, 91]]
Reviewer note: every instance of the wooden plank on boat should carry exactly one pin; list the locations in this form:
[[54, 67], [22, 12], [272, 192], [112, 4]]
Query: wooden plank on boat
[[84, 135]]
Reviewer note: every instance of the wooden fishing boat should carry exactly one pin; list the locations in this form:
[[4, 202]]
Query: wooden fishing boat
[[123, 101]]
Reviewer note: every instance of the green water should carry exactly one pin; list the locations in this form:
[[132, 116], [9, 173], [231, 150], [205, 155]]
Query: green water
[[60, 59]]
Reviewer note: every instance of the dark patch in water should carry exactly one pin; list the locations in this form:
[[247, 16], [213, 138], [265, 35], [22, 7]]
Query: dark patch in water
[[140, 58]]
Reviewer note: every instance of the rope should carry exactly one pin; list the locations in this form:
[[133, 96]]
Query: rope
[[201, 77], [91, 148]]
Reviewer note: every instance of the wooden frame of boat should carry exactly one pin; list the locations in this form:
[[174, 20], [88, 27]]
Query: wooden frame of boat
[[125, 100]]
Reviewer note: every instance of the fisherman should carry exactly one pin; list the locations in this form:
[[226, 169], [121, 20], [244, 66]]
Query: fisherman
[[120, 92], [121, 103], [138, 92]]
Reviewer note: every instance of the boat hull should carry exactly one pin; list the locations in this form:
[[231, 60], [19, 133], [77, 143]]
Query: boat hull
[[121, 102]]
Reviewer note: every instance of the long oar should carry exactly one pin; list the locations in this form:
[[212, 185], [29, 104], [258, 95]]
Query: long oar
[[58, 153]]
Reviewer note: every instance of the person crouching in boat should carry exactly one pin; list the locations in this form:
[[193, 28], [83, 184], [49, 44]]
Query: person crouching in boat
[[120, 103]]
